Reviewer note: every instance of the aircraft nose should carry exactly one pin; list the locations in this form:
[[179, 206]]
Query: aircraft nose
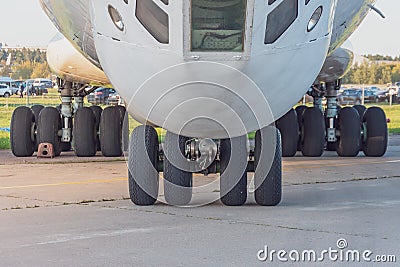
[[203, 99]]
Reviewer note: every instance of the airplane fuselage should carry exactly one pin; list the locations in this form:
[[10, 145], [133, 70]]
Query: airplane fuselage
[[204, 68]]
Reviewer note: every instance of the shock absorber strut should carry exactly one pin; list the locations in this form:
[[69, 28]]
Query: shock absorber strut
[[66, 111], [332, 89], [317, 93]]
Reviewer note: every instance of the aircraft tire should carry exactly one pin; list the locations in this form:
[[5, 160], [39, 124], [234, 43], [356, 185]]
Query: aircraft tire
[[143, 158], [48, 126], [350, 132], [268, 175], [58, 107], [233, 162], [36, 111], [361, 110], [289, 128], [177, 182], [299, 112], [97, 110], [313, 131], [110, 132], [22, 121], [84, 133], [125, 127], [376, 138]]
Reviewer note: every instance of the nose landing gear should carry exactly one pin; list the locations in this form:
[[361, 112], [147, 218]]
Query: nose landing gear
[[180, 162]]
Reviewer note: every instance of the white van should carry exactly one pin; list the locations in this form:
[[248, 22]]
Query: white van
[[8, 81], [5, 90], [41, 82]]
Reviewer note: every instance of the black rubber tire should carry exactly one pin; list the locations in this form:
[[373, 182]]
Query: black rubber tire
[[58, 107], [313, 133], [7, 95], [233, 157], [84, 132], [49, 125], [299, 112], [110, 132], [22, 121], [268, 167], [177, 182], [143, 160], [376, 140], [361, 110], [125, 127], [289, 127], [349, 141], [97, 111], [36, 111]]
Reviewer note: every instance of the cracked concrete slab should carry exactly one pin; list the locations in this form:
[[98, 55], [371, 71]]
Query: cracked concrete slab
[[67, 212]]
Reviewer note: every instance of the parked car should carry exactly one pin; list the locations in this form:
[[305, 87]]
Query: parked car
[[39, 90], [374, 89], [350, 97], [17, 85], [10, 82], [382, 96], [28, 83], [43, 82], [5, 90], [354, 96], [370, 96], [100, 95], [114, 99]]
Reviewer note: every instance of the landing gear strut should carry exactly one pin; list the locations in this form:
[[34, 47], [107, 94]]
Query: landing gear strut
[[184, 156], [347, 130], [70, 125]]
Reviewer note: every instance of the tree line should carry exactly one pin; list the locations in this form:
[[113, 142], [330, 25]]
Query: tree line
[[25, 64], [370, 72], [29, 64], [381, 57]]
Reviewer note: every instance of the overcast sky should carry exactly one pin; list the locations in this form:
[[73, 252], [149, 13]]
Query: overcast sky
[[24, 23]]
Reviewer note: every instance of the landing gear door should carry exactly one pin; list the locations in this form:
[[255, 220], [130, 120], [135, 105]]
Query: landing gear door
[[218, 30]]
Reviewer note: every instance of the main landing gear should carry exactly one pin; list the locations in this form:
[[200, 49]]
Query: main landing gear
[[184, 156], [347, 130], [71, 125]]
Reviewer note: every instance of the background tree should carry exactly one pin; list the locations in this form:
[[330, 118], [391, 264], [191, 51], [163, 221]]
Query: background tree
[[41, 70], [23, 71], [26, 64]]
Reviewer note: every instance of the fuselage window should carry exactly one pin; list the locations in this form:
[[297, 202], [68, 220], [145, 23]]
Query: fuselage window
[[218, 25], [280, 19], [154, 19]]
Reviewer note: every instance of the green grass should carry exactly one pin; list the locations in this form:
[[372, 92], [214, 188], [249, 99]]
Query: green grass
[[4, 140], [7, 106], [392, 113]]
